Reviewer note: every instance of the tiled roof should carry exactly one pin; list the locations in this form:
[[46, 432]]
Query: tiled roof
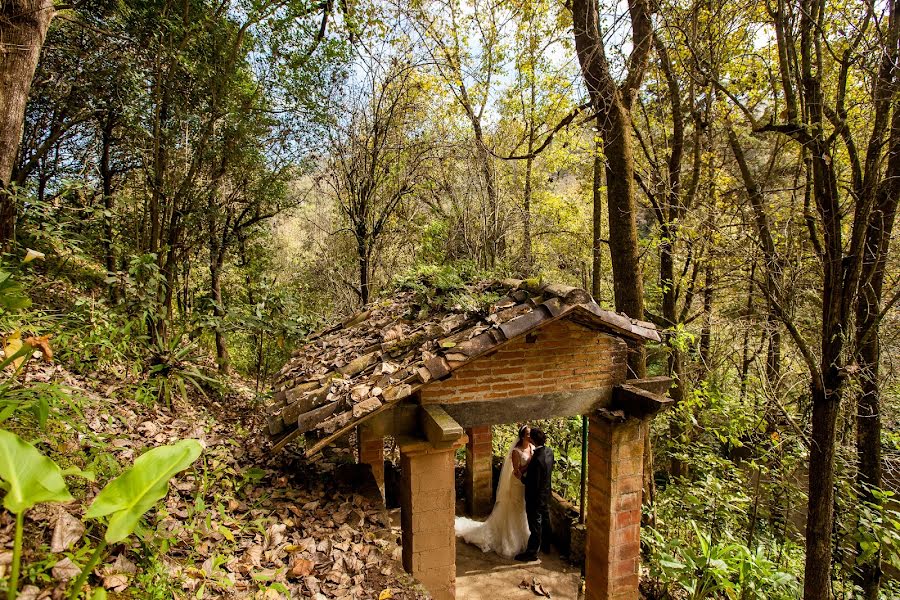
[[376, 358]]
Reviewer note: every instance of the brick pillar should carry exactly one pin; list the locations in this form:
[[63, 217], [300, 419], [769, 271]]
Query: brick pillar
[[479, 479], [371, 452], [615, 476], [427, 509]]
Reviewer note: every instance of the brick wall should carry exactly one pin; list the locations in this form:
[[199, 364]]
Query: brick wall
[[371, 452], [479, 480], [615, 476], [427, 502], [561, 356]]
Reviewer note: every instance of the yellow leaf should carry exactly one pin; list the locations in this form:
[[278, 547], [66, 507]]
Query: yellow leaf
[[386, 594], [13, 345], [226, 532]]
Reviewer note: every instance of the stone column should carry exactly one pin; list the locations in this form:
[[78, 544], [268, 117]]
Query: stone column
[[479, 478], [615, 476], [427, 509], [371, 452]]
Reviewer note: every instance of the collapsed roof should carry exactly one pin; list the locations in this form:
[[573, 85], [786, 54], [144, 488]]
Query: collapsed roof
[[351, 371]]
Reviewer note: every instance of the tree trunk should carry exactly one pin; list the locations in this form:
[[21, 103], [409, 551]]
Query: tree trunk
[[868, 349], [773, 352], [597, 196], [106, 177], [820, 516], [612, 103], [223, 359], [492, 242], [527, 259], [362, 256], [216, 262], [23, 28], [628, 283]]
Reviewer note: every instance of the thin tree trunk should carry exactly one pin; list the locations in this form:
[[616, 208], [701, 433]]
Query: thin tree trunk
[[23, 29], [362, 257], [106, 176], [216, 262], [597, 196], [527, 259], [223, 359]]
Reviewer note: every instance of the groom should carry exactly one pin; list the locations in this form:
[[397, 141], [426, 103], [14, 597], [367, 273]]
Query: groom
[[537, 496]]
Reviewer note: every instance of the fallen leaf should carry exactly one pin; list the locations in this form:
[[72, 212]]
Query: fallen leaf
[[116, 583], [65, 570], [67, 531], [42, 343], [254, 555], [29, 592], [13, 345], [386, 594], [301, 568], [120, 565]]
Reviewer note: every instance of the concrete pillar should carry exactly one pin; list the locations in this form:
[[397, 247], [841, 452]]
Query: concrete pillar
[[371, 452], [427, 508], [615, 476], [479, 479]]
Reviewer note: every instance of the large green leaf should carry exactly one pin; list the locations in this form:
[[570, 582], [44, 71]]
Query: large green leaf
[[127, 497], [28, 476]]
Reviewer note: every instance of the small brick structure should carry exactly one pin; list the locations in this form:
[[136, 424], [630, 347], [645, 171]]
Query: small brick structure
[[370, 447], [615, 479], [479, 478], [542, 351], [427, 506], [563, 356]]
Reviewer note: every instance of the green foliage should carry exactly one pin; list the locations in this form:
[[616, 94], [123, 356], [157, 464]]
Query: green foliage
[[446, 286], [708, 568], [12, 295], [126, 498], [172, 369], [28, 476]]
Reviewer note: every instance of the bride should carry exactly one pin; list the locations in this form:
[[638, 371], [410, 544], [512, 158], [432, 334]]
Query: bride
[[506, 529]]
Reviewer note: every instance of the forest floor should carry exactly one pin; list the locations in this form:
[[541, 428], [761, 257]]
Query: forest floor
[[487, 576], [238, 524]]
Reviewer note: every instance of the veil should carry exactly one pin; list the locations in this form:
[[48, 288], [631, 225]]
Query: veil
[[506, 475]]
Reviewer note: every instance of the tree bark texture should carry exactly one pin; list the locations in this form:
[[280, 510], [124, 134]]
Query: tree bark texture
[[597, 225], [613, 103], [23, 28]]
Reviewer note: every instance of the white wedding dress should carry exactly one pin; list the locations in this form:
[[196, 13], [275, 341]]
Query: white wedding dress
[[506, 529]]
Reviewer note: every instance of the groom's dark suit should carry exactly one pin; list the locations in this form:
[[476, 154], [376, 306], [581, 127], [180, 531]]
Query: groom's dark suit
[[537, 499]]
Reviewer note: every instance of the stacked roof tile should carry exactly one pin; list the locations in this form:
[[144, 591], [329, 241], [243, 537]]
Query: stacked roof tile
[[395, 346]]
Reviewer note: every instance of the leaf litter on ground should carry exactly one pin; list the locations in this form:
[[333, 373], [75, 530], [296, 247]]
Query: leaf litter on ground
[[238, 524]]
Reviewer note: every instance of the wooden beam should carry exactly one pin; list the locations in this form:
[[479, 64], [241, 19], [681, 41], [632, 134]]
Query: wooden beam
[[634, 401], [328, 439], [310, 420], [533, 407], [438, 426], [655, 385], [284, 441]]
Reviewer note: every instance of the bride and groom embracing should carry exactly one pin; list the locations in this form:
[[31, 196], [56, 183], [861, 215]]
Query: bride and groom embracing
[[519, 524]]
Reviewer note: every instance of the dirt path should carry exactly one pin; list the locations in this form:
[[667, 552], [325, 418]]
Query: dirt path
[[486, 576]]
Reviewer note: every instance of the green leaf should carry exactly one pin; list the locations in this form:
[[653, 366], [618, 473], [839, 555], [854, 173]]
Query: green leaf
[[28, 476], [127, 497]]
